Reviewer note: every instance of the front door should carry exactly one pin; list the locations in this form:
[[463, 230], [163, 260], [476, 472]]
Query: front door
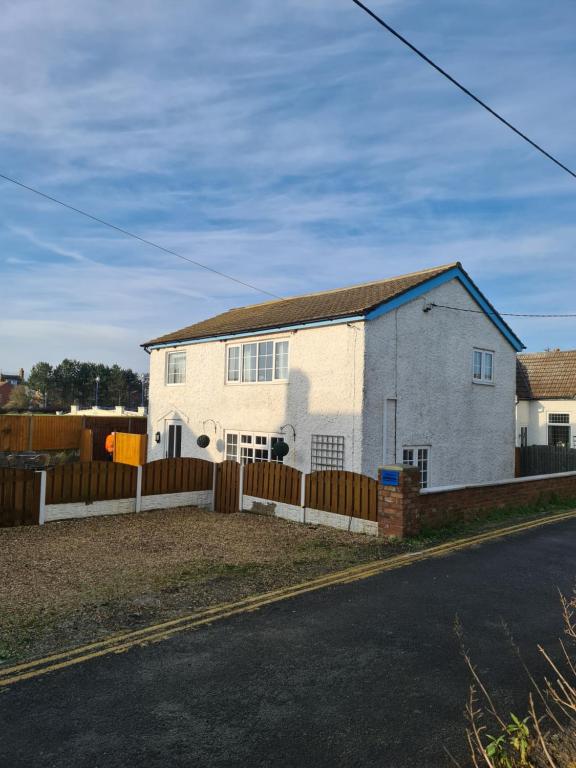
[[173, 439]]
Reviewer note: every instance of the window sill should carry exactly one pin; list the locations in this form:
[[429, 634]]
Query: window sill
[[255, 383], [175, 384], [483, 383]]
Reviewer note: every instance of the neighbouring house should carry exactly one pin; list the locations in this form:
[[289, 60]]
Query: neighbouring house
[[5, 391], [546, 398], [355, 378], [12, 378]]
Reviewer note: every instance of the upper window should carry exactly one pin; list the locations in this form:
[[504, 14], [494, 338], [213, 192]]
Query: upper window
[[257, 361], [483, 366], [176, 368]]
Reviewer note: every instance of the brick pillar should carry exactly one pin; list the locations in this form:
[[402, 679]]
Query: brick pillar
[[398, 501]]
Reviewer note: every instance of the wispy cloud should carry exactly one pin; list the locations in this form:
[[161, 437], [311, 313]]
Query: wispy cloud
[[294, 145]]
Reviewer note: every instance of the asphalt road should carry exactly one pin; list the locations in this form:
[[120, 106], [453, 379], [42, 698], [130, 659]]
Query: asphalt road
[[364, 674]]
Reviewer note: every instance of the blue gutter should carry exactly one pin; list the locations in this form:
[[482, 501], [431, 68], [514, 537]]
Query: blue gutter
[[445, 277], [389, 306]]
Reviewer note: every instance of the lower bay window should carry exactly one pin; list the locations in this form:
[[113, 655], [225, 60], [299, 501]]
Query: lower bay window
[[249, 447]]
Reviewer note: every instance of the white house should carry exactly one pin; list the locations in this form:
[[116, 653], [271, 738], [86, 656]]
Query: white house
[[546, 408], [412, 369]]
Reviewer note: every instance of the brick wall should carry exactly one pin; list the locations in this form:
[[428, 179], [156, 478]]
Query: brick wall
[[404, 510]]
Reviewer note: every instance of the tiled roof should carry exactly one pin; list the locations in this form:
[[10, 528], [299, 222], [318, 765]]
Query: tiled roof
[[546, 375], [327, 305]]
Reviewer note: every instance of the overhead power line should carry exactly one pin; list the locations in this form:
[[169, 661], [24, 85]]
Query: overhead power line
[[137, 237], [465, 90], [506, 314]]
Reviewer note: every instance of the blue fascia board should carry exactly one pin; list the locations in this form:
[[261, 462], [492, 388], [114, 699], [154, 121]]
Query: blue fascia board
[[260, 332], [452, 274]]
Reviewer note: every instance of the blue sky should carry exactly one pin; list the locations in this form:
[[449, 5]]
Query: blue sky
[[295, 145]]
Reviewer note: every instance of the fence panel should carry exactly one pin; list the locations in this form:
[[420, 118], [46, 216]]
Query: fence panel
[[14, 433], [227, 487], [176, 476], [344, 493], [130, 449], [19, 497], [546, 460], [90, 481], [55, 433], [270, 480]]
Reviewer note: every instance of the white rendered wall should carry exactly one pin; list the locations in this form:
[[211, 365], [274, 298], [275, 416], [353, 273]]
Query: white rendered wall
[[423, 360], [534, 415], [322, 396]]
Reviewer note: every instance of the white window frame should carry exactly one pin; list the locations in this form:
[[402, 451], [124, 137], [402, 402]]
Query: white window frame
[[416, 460], [169, 355], [550, 422], [250, 447], [484, 355], [275, 379]]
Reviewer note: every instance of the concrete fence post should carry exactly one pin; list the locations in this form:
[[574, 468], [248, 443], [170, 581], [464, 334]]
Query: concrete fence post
[[139, 488], [42, 500], [241, 488], [214, 476], [303, 495], [398, 501]]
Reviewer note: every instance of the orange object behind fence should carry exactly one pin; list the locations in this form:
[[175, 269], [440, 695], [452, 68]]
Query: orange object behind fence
[[130, 449]]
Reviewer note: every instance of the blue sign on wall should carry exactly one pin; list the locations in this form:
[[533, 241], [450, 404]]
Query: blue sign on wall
[[389, 477]]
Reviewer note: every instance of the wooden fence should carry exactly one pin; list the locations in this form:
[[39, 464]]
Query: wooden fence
[[344, 493], [39, 432], [19, 497], [176, 476], [90, 481], [546, 460], [270, 480]]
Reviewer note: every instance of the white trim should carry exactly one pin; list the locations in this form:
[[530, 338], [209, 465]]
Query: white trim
[[138, 489]]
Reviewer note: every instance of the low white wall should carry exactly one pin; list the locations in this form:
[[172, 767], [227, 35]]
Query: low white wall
[[352, 524], [306, 515], [201, 499], [81, 509], [273, 508]]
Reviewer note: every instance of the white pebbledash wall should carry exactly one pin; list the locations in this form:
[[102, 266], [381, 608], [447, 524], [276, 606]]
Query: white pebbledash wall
[[403, 379], [534, 415], [323, 396], [420, 363]]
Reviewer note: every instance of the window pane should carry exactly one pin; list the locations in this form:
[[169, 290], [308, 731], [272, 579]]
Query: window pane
[[176, 373], [408, 457], [273, 441], [265, 360], [233, 363], [281, 360], [488, 358], [232, 447], [559, 436], [249, 358], [477, 364], [246, 455], [559, 418]]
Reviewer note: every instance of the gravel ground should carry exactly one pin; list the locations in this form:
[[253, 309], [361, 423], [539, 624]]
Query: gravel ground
[[68, 582]]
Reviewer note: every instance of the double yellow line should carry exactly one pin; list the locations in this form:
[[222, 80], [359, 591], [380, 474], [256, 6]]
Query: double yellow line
[[157, 632]]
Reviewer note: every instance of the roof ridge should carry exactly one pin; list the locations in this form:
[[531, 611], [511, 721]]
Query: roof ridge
[[443, 267]]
